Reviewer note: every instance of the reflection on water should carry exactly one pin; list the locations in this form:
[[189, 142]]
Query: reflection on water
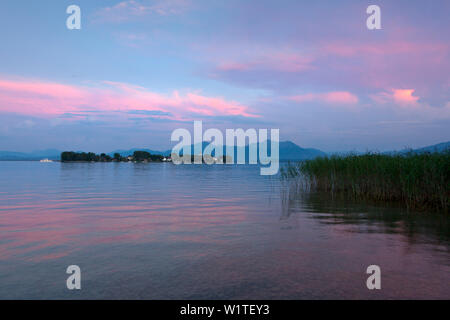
[[159, 231], [364, 217]]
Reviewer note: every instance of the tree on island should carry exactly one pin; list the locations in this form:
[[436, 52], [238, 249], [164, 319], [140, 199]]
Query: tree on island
[[83, 156], [105, 158], [138, 156], [141, 156], [146, 156]]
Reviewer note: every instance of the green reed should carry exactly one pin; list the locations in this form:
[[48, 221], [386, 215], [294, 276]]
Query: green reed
[[420, 181]]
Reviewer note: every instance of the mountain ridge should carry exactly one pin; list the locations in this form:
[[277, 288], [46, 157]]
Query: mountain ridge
[[289, 151]]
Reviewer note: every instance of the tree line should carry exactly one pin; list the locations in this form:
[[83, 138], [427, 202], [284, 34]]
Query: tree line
[[138, 156]]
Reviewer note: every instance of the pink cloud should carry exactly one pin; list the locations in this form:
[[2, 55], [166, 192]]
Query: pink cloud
[[40, 88], [47, 99], [286, 62], [233, 66], [267, 60], [389, 64], [387, 48], [219, 105], [401, 97], [405, 96], [332, 98], [351, 63]]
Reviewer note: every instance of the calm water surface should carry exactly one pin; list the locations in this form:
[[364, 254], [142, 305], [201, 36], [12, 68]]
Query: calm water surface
[[159, 231]]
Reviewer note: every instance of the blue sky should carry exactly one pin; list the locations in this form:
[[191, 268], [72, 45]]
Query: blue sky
[[139, 69]]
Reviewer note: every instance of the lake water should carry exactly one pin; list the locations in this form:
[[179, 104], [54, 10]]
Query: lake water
[[160, 231]]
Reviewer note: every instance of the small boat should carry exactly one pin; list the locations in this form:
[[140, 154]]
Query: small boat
[[46, 160]]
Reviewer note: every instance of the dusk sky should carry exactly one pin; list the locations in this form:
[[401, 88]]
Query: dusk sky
[[137, 70]]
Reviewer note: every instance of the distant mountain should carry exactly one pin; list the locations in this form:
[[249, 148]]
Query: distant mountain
[[51, 154], [289, 151], [130, 152], [440, 147]]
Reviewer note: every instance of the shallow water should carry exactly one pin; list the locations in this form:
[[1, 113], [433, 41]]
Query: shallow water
[[159, 231]]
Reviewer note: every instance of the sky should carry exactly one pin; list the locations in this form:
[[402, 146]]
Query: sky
[[139, 69]]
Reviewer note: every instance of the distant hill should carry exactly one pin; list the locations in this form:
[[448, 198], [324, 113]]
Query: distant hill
[[289, 151], [440, 147], [129, 152], [51, 154]]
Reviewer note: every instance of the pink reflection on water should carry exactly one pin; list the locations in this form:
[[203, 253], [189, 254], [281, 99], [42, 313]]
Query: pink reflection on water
[[50, 229]]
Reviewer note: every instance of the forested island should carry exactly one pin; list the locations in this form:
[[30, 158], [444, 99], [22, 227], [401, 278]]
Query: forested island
[[137, 156]]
